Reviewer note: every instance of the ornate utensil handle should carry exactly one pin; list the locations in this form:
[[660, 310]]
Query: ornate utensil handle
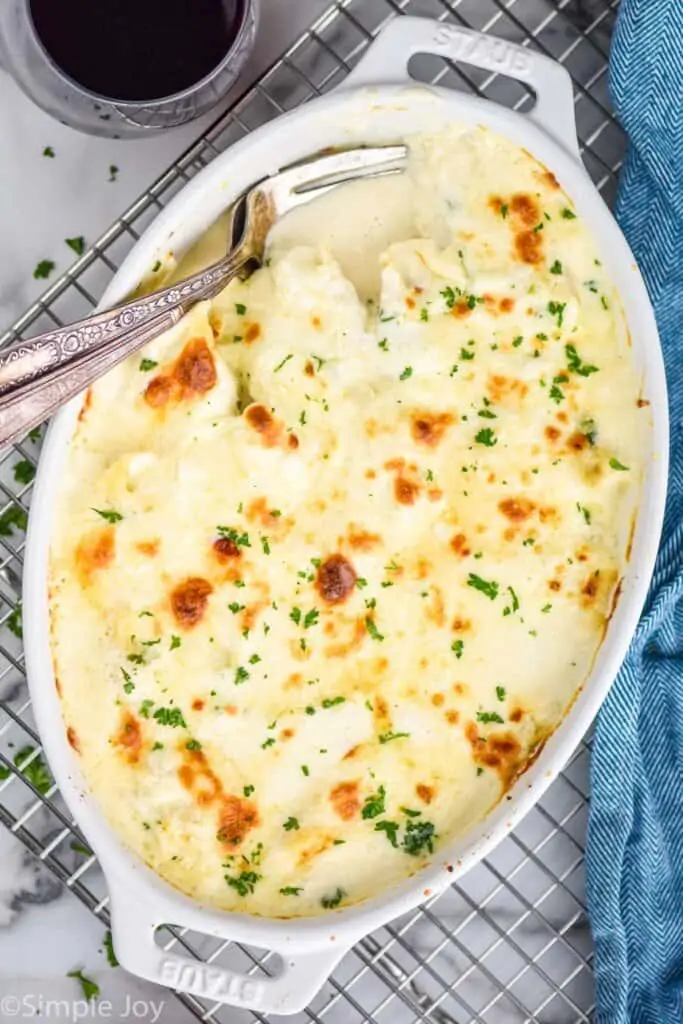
[[39, 375]]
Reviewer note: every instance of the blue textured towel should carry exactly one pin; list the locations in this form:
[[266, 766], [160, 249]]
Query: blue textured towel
[[635, 833]]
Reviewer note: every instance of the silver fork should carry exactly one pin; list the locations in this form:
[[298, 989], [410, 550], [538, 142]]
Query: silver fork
[[39, 375]]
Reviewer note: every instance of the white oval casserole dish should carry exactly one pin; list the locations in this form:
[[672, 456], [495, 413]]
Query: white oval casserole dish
[[378, 103]]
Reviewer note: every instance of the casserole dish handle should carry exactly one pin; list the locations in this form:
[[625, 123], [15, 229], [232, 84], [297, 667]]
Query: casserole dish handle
[[289, 990], [387, 60]]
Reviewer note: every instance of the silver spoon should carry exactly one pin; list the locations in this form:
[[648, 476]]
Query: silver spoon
[[39, 375]]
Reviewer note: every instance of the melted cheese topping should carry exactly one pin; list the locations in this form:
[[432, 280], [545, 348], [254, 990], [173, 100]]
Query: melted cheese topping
[[330, 564]]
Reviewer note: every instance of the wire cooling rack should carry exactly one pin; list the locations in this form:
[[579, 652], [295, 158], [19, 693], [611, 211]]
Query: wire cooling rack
[[510, 943]]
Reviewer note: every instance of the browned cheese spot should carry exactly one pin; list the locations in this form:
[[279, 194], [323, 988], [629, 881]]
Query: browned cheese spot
[[345, 800], [361, 539], [150, 548], [516, 509], [95, 551], [358, 635], [335, 579], [252, 333], [460, 545], [428, 428], [266, 426], [192, 374], [129, 737], [198, 704], [226, 550], [438, 700], [577, 442], [189, 600], [85, 408], [552, 434], [72, 737], [406, 491], [425, 793], [236, 817], [460, 625], [500, 751]]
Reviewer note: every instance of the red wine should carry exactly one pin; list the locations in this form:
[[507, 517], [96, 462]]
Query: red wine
[[137, 49]]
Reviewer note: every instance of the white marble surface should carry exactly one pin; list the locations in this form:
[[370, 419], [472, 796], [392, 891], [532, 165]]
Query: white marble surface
[[45, 931]]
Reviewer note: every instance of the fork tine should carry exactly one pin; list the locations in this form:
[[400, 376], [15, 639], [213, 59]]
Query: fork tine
[[300, 196], [345, 165]]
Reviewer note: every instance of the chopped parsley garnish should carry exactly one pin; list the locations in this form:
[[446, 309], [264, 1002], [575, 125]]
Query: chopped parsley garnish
[[457, 647], [574, 362], [585, 512], [24, 471], [291, 890], [295, 615], [515, 600], [170, 716], [311, 618], [331, 702], [113, 172], [193, 745], [486, 437], [175, 642], [419, 835], [265, 545], [248, 790], [145, 708], [330, 902], [387, 737], [486, 414], [466, 354], [284, 361], [110, 514], [517, 341], [156, 267], [374, 804], [89, 988], [254, 660], [557, 309], [13, 621], [309, 709], [372, 628], [240, 539], [240, 308], [49, 152], [291, 823], [109, 949], [539, 227], [77, 244], [567, 214], [241, 675], [361, 582], [147, 364], [268, 743], [603, 302], [546, 608], [424, 314], [235, 608], [500, 692], [489, 588], [411, 814], [43, 269], [390, 828], [556, 394], [304, 769], [504, 210], [36, 772], [556, 267], [128, 684], [615, 464], [244, 883], [34, 435], [485, 717], [408, 372], [383, 344]]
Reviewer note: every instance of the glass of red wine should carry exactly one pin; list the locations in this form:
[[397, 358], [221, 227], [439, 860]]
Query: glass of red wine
[[125, 68]]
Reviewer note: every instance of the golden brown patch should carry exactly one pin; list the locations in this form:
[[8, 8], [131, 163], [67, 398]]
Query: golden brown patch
[[315, 320], [158, 392], [226, 550], [335, 579], [495, 203], [460, 546], [549, 179], [590, 588], [577, 442], [460, 625], [361, 539], [406, 491], [189, 600], [461, 308], [410, 302], [516, 509], [292, 442], [452, 717], [308, 369], [506, 389], [266, 426], [370, 474], [500, 751], [259, 511], [193, 373], [549, 514], [85, 408], [345, 800], [252, 333], [642, 403], [73, 739], [198, 704], [425, 793], [552, 434], [95, 551], [438, 700], [252, 611], [428, 428], [149, 547], [436, 609], [129, 736], [286, 734], [516, 714], [340, 650], [231, 709], [319, 846], [197, 776], [236, 817], [528, 247], [352, 752], [525, 209], [506, 304], [555, 585]]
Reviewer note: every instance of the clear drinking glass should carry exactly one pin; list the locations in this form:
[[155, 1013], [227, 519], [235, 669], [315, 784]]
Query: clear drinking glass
[[23, 56]]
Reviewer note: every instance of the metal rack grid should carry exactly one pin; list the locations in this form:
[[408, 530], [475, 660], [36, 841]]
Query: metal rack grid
[[510, 943]]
